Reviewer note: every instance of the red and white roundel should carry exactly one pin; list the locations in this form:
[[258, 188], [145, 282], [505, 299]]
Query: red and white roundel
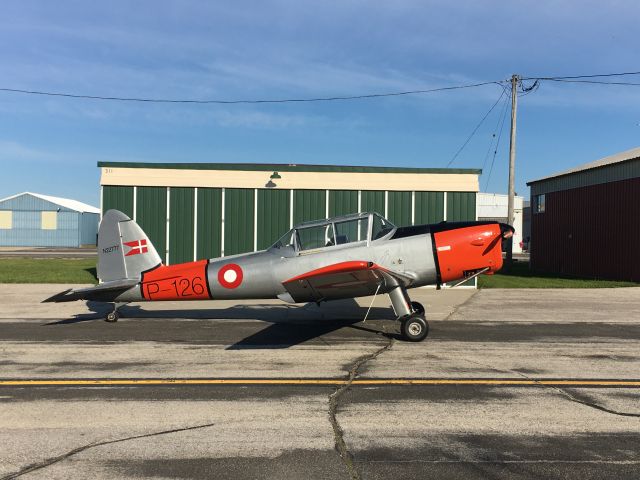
[[230, 276]]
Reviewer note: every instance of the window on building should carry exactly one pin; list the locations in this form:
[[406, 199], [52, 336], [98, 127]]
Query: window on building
[[538, 201], [6, 219], [49, 220]]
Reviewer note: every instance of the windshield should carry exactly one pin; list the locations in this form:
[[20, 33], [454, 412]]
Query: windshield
[[287, 240], [381, 226], [337, 233]]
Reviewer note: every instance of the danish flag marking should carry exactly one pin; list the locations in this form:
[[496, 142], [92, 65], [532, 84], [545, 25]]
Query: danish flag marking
[[137, 247]]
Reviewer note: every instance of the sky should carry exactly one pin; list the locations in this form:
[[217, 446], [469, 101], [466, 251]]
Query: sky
[[291, 49]]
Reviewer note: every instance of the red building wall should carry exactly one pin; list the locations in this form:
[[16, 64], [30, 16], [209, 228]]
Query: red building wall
[[591, 232]]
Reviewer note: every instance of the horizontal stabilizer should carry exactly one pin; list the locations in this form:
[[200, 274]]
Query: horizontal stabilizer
[[107, 292]]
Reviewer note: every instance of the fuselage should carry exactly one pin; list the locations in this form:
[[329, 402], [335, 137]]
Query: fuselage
[[428, 254]]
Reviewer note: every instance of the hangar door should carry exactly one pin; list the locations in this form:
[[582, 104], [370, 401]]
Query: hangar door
[[188, 223]]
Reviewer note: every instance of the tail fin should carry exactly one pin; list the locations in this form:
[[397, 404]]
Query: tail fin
[[124, 250]]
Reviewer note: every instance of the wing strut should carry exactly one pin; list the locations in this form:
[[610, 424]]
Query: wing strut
[[374, 299]]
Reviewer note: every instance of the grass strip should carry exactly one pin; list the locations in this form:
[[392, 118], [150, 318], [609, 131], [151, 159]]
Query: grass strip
[[48, 270], [520, 276]]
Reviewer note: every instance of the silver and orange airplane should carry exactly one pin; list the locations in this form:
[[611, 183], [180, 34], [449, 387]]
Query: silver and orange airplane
[[342, 257]]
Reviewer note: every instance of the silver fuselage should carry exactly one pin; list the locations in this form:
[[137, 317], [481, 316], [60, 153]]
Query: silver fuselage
[[265, 271]]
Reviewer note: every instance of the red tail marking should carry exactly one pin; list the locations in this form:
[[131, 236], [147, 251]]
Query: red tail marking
[[137, 247]]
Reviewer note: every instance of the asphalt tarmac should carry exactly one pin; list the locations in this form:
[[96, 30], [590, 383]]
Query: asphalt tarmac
[[509, 384]]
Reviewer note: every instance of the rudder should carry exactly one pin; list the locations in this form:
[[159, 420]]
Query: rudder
[[124, 250]]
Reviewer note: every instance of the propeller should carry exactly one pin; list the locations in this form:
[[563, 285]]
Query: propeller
[[507, 231]]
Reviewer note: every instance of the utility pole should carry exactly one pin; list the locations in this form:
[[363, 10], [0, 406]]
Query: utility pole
[[515, 79]]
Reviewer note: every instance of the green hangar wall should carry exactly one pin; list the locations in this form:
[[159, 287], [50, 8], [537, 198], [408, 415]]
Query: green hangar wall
[[205, 210]]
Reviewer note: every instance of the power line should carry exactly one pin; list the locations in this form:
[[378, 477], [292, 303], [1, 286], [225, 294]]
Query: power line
[[477, 127], [318, 99], [233, 102], [575, 77], [495, 131], [495, 152], [595, 82]]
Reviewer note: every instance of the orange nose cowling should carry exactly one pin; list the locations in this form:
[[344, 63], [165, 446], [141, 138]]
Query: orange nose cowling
[[463, 251]]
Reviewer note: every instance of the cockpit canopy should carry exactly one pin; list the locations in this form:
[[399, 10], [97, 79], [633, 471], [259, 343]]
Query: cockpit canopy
[[347, 229]]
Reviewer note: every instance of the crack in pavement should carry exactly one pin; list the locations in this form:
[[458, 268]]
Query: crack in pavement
[[458, 307], [559, 390], [338, 433], [50, 461]]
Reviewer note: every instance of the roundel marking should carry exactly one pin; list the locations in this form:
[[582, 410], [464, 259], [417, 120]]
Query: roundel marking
[[230, 276]]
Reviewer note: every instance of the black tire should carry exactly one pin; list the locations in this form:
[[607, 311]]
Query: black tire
[[417, 307], [112, 317], [414, 328]]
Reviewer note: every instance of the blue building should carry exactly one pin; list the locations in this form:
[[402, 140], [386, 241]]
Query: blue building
[[34, 220]]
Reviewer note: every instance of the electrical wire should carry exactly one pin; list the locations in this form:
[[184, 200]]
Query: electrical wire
[[495, 131], [530, 89], [233, 102], [572, 78], [594, 82], [575, 77], [473, 132], [495, 152]]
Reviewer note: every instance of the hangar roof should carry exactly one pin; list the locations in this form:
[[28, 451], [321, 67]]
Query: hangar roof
[[288, 176], [610, 160], [615, 168], [286, 167], [63, 202]]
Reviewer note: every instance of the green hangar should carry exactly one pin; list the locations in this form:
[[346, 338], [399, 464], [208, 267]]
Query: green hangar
[[194, 211]]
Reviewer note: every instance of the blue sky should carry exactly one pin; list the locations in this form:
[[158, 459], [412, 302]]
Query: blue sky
[[284, 49]]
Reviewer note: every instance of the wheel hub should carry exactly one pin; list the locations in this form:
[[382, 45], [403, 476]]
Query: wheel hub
[[414, 328]]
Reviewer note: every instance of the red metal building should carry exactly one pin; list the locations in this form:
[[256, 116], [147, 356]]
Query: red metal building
[[585, 222]]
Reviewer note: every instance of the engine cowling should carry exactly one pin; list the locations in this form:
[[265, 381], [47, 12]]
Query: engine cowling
[[462, 252]]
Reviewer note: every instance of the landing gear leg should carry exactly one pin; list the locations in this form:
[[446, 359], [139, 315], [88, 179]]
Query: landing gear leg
[[114, 315], [413, 325]]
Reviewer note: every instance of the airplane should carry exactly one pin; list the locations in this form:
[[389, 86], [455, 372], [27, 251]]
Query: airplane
[[349, 256]]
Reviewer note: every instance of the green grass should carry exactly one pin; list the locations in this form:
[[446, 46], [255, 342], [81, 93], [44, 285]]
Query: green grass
[[47, 270], [521, 277], [68, 270]]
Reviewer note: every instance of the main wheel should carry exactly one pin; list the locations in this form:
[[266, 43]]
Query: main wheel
[[414, 328], [417, 307], [112, 316]]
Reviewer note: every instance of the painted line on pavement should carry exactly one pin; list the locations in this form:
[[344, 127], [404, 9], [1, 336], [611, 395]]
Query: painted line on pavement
[[319, 381]]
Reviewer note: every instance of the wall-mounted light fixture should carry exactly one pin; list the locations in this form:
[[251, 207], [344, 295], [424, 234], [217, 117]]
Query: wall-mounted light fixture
[[271, 183]]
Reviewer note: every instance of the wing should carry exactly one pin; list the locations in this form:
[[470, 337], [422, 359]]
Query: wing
[[342, 280]]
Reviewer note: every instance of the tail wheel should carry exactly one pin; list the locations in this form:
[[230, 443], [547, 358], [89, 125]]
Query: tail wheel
[[112, 316], [414, 328], [417, 307]]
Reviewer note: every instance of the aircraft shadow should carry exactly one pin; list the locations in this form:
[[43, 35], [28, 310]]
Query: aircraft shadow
[[98, 311], [287, 335], [290, 325]]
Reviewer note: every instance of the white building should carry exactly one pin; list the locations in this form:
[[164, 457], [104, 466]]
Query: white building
[[493, 206]]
